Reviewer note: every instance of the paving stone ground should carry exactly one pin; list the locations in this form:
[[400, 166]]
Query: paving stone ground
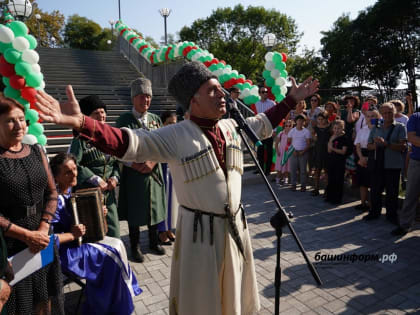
[[349, 287]]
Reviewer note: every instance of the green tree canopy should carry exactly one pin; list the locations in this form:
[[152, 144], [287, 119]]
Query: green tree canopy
[[235, 35], [82, 33]]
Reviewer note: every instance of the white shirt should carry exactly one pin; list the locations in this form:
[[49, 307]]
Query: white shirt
[[362, 137], [360, 123], [263, 106], [299, 138]]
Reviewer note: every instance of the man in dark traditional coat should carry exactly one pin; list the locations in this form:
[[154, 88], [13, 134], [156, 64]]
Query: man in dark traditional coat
[[96, 169], [142, 193]]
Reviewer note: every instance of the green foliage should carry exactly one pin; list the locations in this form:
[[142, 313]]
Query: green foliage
[[308, 63], [376, 47], [235, 35], [50, 25], [82, 33]]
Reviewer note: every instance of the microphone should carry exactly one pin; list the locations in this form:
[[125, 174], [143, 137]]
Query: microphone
[[236, 115]]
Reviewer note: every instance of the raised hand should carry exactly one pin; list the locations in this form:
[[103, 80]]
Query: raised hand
[[303, 90], [67, 113]]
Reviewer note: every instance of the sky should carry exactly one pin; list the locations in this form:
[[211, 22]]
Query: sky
[[312, 17]]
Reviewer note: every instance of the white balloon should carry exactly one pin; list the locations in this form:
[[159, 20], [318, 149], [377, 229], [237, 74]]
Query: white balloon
[[20, 43], [245, 92], [29, 139], [269, 56], [281, 81], [226, 70], [254, 90], [269, 65], [30, 56], [283, 90], [196, 56], [235, 72], [218, 72], [6, 34], [275, 73], [36, 68]]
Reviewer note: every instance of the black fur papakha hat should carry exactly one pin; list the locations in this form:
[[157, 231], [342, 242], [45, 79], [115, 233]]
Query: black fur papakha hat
[[186, 82], [91, 103]]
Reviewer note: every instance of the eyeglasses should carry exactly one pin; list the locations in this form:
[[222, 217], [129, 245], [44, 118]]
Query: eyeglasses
[[314, 100], [234, 92], [263, 92]]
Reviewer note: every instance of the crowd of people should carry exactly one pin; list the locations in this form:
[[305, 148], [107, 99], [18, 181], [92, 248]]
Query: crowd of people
[[366, 145], [200, 159]]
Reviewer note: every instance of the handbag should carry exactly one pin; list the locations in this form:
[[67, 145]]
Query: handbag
[[376, 158]]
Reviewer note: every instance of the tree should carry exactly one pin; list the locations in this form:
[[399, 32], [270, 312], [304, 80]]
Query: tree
[[50, 25], [82, 33], [235, 35], [171, 39], [309, 63]]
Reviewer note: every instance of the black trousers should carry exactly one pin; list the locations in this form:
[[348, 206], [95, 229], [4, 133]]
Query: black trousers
[[336, 168], [266, 149], [388, 179]]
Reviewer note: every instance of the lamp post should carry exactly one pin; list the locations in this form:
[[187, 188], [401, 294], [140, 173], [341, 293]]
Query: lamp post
[[269, 40], [119, 10], [164, 12], [53, 41], [112, 22], [38, 18], [20, 9]]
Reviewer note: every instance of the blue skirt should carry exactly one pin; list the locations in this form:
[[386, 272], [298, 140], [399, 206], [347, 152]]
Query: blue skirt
[[110, 282]]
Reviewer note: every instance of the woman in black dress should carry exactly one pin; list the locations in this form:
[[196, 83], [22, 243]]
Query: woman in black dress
[[337, 149], [27, 204]]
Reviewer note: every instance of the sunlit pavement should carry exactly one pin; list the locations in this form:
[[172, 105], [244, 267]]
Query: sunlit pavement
[[338, 242]]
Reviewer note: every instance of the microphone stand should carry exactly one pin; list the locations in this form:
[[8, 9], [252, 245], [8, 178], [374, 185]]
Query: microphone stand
[[278, 221]]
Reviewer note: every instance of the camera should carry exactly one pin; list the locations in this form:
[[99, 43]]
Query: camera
[[378, 123]]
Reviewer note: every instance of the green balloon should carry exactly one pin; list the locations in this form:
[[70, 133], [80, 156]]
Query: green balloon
[[239, 86], [275, 90], [32, 116], [280, 66], [242, 76], [23, 68], [22, 101], [277, 58], [283, 73], [6, 81], [19, 28], [32, 41], [12, 55], [254, 99], [36, 129], [27, 106], [248, 100], [42, 140], [5, 46], [223, 78], [279, 97], [266, 74], [247, 85], [213, 67], [11, 92], [270, 82], [171, 54], [34, 79], [191, 53]]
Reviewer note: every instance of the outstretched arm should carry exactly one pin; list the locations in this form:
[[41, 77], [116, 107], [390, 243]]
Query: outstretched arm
[[110, 140]]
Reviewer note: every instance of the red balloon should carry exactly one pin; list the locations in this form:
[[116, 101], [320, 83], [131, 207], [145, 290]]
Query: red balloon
[[133, 38], [240, 80], [167, 53], [249, 81], [142, 47], [207, 63], [214, 61], [17, 82], [29, 93], [151, 57], [122, 31], [33, 106], [6, 69], [222, 61], [228, 84], [284, 57], [186, 50]]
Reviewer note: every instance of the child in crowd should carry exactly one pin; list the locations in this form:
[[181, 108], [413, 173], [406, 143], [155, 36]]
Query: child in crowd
[[299, 137], [337, 149], [331, 108], [321, 133], [281, 148]]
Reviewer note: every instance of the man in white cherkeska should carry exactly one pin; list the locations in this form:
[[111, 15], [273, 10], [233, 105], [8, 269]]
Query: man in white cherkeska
[[212, 264]]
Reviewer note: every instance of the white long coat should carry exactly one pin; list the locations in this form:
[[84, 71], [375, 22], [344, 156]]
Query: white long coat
[[205, 279]]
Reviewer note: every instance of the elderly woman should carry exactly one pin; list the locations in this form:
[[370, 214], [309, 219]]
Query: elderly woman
[[95, 168], [315, 110], [362, 173], [386, 141], [110, 283], [27, 204]]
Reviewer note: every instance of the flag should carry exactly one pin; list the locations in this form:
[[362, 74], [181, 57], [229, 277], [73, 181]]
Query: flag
[[287, 154]]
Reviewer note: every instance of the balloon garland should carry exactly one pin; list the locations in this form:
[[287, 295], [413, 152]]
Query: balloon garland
[[227, 77], [21, 73], [275, 74]]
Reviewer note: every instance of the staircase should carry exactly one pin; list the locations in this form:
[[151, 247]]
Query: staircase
[[104, 73]]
